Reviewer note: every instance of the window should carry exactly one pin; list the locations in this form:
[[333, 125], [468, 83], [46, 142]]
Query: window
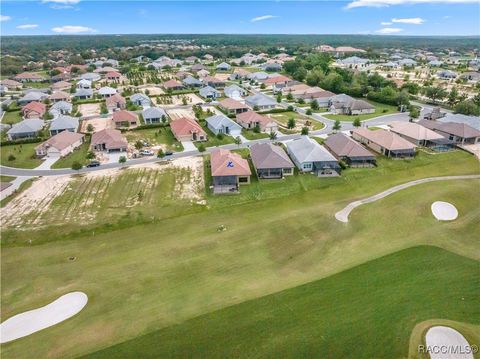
[[307, 166]]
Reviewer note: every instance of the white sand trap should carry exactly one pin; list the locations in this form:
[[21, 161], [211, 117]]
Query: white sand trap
[[447, 343], [444, 211], [27, 323]]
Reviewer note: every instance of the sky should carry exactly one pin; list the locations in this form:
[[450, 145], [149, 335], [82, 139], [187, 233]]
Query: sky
[[375, 17]]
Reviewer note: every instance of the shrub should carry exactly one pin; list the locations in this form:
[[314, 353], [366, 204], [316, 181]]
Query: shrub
[[122, 159], [160, 153], [11, 157], [76, 165], [220, 136], [308, 112], [201, 147], [304, 131]]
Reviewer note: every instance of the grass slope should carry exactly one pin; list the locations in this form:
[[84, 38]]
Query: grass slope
[[366, 312], [24, 155]]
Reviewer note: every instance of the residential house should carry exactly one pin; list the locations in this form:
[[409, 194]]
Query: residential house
[[203, 73], [34, 110], [60, 108], [11, 84], [250, 120], [349, 151], [90, 76], [309, 156], [153, 115], [223, 67], [191, 59], [314, 93], [270, 161], [124, 118], [446, 74], [221, 124], [209, 92], [113, 76], [187, 129], [172, 85], [234, 91], [459, 133], [197, 67], [60, 145], [107, 91], [239, 74], [141, 99], [32, 96], [191, 81], [346, 105], [261, 101], [419, 135], [83, 94], [29, 77], [25, 129], [84, 84], [63, 123], [213, 81], [276, 83], [353, 62], [471, 76], [385, 142], [57, 96], [407, 63], [109, 140], [232, 107], [229, 171], [258, 76], [115, 102]]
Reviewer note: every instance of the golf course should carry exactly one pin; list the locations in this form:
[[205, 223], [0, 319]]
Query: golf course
[[283, 278]]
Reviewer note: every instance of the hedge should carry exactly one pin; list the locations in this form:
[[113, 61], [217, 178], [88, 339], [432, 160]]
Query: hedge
[[22, 142]]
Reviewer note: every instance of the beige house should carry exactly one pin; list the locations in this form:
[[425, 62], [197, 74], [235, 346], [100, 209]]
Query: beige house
[[385, 142], [60, 145]]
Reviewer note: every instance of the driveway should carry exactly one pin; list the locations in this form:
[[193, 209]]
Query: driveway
[[47, 163], [188, 146]]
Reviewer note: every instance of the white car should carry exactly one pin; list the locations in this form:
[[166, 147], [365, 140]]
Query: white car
[[146, 153]]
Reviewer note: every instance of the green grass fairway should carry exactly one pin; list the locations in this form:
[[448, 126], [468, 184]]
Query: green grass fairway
[[381, 109], [156, 136], [24, 155], [366, 312], [79, 155]]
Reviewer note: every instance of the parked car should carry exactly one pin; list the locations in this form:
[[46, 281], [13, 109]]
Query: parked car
[[168, 153], [146, 153], [93, 164]]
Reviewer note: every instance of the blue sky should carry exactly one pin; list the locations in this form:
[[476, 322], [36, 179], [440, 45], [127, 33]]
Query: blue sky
[[376, 17]]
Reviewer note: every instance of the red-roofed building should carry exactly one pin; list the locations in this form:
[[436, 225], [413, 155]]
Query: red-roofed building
[[186, 129], [229, 170], [124, 118], [113, 76], [34, 109]]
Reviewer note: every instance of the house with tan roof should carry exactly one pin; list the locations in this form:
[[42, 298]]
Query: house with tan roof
[[349, 151], [109, 140], [418, 134], [34, 110], [11, 84], [29, 77], [229, 171], [59, 96], [459, 133], [271, 161], [60, 145], [172, 85], [61, 86], [113, 76], [250, 120], [385, 142], [125, 119], [186, 129], [115, 102], [232, 107], [213, 81]]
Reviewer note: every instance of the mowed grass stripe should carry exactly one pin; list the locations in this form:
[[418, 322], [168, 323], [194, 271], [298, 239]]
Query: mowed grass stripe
[[366, 312]]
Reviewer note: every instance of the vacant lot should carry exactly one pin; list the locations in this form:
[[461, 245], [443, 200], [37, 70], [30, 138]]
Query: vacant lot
[[159, 137], [22, 156], [12, 117], [300, 121], [380, 110], [177, 113], [89, 109], [98, 124]]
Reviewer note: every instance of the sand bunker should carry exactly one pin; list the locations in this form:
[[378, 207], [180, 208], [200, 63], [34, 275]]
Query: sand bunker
[[27, 323], [444, 211], [447, 343]]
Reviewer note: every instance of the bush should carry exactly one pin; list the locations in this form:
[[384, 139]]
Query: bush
[[90, 155], [308, 112], [201, 148], [304, 131], [220, 136], [160, 153], [11, 157], [122, 159], [76, 166]]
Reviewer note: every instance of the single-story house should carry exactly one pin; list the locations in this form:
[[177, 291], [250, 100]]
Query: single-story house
[[60, 145], [209, 92], [83, 94], [153, 115], [346, 105], [191, 81], [107, 91], [229, 171], [270, 161], [349, 151], [385, 142], [459, 133], [25, 129], [203, 73], [261, 101], [271, 66], [63, 123], [113, 76], [124, 118], [186, 129], [141, 99], [407, 62], [223, 67], [221, 124], [172, 85], [234, 91], [197, 67], [418, 134], [446, 74], [239, 74], [29, 77], [115, 102], [278, 82], [250, 119], [11, 84], [34, 110], [59, 96], [61, 86], [84, 84], [258, 76], [90, 76], [314, 93], [60, 108], [109, 140], [232, 106], [32, 96], [213, 81], [471, 76], [309, 156]]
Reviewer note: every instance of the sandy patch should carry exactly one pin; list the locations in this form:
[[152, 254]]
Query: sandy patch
[[27, 323], [89, 109], [153, 90], [98, 124], [177, 100], [444, 211], [447, 343], [181, 112], [222, 76]]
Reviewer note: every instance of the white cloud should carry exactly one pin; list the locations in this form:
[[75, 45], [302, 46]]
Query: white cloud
[[383, 3], [62, 1], [27, 26], [5, 18], [70, 29], [446, 17], [411, 20], [264, 17], [61, 7], [389, 30], [385, 23]]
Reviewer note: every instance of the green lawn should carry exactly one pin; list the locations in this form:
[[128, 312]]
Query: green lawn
[[79, 155], [37, 85], [156, 136], [24, 155], [6, 178], [283, 117], [366, 312], [12, 117], [212, 139], [163, 262], [251, 135], [380, 110]]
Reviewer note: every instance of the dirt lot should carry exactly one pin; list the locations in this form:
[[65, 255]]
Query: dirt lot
[[177, 100], [152, 89], [98, 124], [89, 109], [222, 76], [180, 112], [108, 194]]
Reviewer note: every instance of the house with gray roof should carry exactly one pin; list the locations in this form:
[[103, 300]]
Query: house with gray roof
[[153, 115], [221, 124], [407, 62], [191, 81], [270, 161], [83, 94], [258, 76], [309, 156], [90, 76], [63, 123], [107, 91], [446, 74], [84, 84], [209, 92], [261, 101], [25, 129], [350, 151], [346, 105], [271, 66], [32, 96], [141, 99], [60, 108], [353, 61], [234, 91], [223, 67]]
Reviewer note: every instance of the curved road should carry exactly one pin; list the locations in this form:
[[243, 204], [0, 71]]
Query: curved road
[[342, 215]]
